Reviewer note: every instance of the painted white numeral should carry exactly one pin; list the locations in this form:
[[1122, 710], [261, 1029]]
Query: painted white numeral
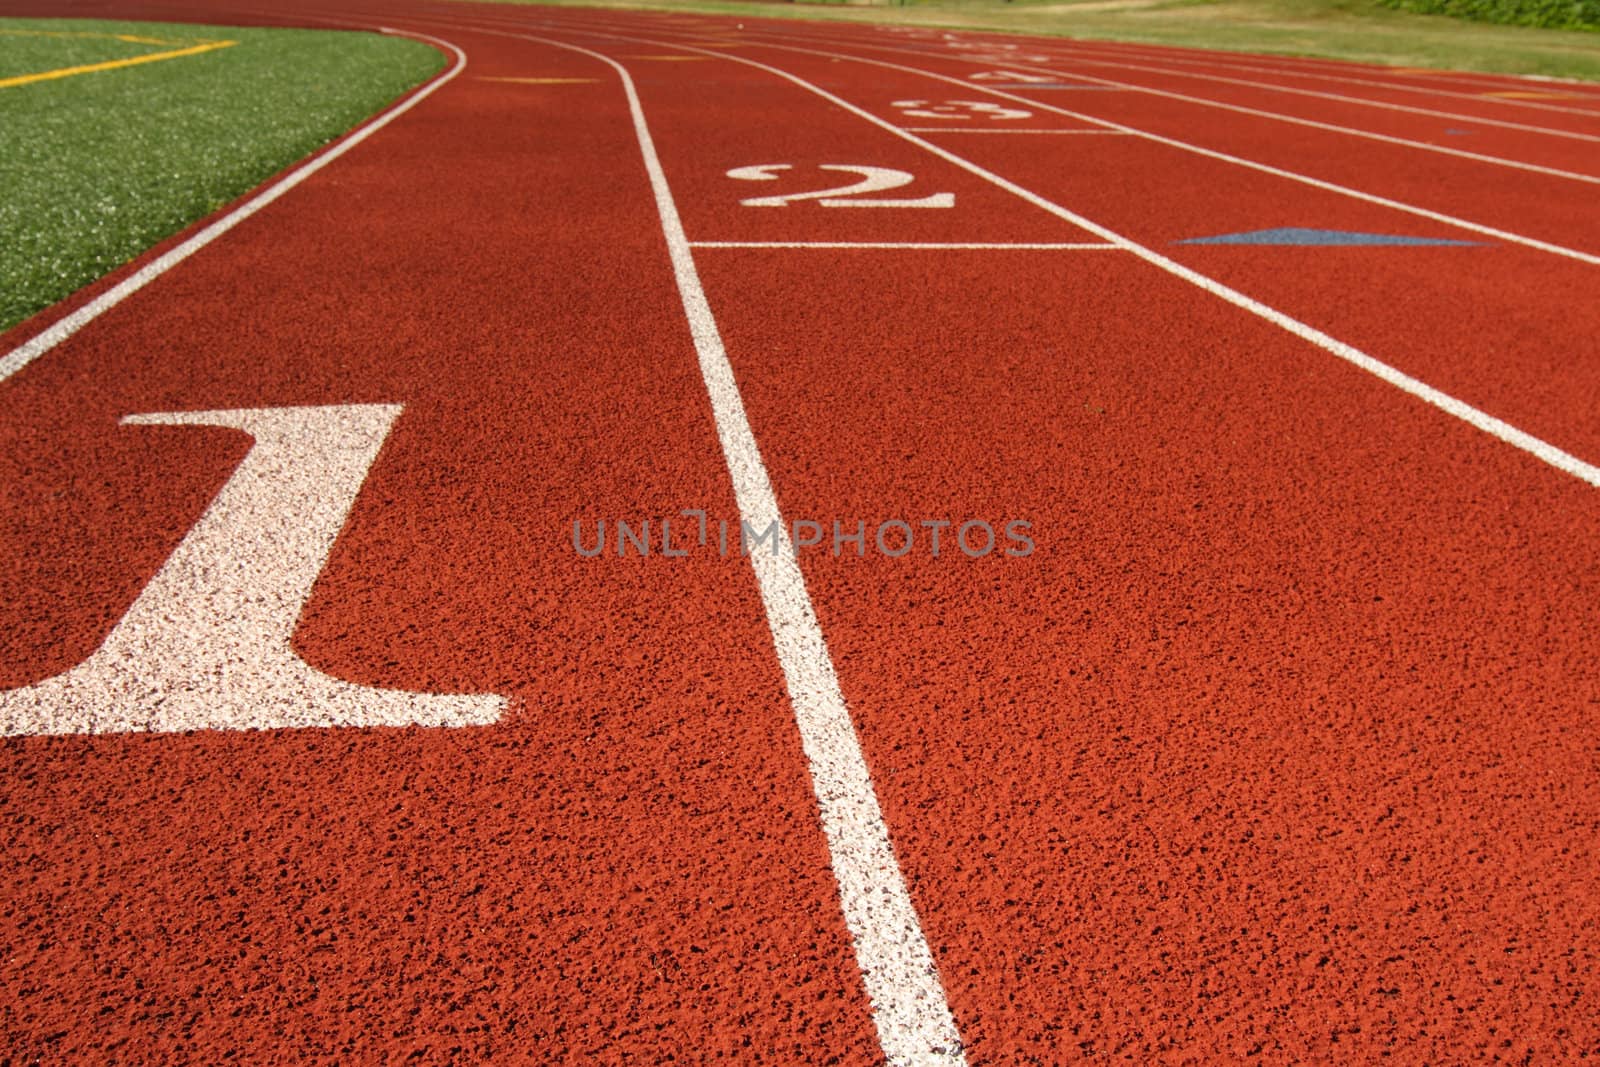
[[206, 644], [1011, 76], [960, 110], [873, 180], [996, 52]]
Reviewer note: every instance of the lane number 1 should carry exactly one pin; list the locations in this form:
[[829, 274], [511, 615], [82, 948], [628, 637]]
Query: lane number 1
[[206, 644]]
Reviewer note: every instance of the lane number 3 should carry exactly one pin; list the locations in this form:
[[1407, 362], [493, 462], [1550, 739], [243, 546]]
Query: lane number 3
[[854, 194]]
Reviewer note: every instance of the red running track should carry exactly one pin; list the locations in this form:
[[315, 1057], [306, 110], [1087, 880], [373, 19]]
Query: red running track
[[1280, 744]]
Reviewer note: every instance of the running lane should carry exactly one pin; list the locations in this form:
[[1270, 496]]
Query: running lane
[[1544, 206], [1502, 332], [1354, 100], [627, 864], [1508, 95], [1280, 743], [1554, 108]]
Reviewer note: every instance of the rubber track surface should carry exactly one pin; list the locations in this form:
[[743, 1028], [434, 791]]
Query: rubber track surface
[[1281, 745]]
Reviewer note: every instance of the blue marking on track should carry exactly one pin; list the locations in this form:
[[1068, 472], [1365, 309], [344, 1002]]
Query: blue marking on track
[[1297, 235]]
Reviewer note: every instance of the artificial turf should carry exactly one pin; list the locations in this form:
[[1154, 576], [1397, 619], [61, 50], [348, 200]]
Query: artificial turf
[[101, 165]]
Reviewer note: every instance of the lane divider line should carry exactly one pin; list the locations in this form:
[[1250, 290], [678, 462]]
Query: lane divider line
[[1087, 50], [1437, 398], [1184, 146], [1387, 105], [913, 1019], [53, 335], [1090, 80], [1349, 131], [1076, 246], [1285, 70], [1415, 387]]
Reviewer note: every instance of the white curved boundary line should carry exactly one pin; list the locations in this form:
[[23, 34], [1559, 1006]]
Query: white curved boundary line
[[1108, 125], [1297, 120], [1217, 62], [1517, 438], [1387, 105], [57, 332], [909, 1008]]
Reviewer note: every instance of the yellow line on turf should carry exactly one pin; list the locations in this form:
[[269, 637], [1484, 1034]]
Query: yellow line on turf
[[77, 33], [542, 81], [90, 68]]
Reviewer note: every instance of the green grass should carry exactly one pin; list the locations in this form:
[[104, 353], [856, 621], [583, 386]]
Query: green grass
[[1362, 30], [27, 50], [100, 166], [1551, 14]]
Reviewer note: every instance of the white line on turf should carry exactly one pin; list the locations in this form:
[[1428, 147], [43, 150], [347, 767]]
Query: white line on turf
[[936, 246], [53, 335], [914, 1022], [1497, 428]]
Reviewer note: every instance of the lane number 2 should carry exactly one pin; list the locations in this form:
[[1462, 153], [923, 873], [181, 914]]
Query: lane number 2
[[959, 110], [207, 643], [1012, 76], [871, 180]]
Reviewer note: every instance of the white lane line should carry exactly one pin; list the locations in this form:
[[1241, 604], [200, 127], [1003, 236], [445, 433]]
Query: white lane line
[[953, 129], [1092, 81], [909, 245], [1081, 48], [1386, 105], [1497, 428], [913, 1019], [1249, 164], [1184, 146], [1295, 72], [1350, 131], [49, 338]]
